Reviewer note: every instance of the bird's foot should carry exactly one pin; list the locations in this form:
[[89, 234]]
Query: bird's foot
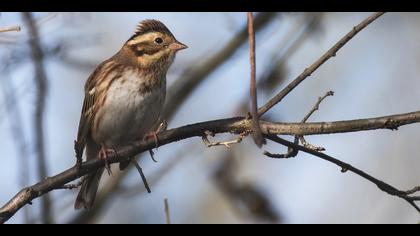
[[103, 155], [153, 134]]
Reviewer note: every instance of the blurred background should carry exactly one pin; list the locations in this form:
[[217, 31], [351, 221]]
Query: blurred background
[[375, 74]]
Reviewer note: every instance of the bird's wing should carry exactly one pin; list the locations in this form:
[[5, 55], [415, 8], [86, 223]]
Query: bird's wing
[[88, 111]]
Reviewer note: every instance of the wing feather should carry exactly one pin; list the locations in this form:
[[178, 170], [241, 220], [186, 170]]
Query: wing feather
[[88, 110]]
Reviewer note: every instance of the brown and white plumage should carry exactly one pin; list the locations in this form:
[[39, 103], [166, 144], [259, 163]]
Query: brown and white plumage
[[124, 98]]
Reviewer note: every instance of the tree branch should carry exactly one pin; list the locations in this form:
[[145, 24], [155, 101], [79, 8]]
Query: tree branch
[[235, 125], [256, 131], [347, 167], [314, 108], [11, 28], [392, 122], [308, 71], [37, 55]]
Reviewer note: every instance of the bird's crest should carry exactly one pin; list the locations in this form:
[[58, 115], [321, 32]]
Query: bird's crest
[[146, 26]]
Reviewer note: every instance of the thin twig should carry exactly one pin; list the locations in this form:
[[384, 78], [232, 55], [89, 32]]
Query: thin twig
[[143, 177], [11, 28], [277, 62], [37, 55], [314, 108], [347, 167], [413, 190], [186, 152], [291, 152], [256, 131], [227, 144], [308, 71], [167, 212]]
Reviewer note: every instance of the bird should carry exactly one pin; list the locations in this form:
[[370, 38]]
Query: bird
[[124, 99]]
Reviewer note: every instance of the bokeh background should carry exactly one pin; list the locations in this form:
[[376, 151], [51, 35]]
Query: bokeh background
[[375, 74]]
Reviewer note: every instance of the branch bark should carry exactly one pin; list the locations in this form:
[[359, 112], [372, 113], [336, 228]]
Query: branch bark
[[256, 131], [236, 125]]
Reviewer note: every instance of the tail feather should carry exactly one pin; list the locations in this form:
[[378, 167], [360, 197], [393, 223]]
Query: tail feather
[[88, 191], [90, 184]]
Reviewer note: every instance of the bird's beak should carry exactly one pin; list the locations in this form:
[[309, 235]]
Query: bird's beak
[[176, 46]]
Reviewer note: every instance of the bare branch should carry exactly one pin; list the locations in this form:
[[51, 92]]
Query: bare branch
[[392, 122], [235, 125], [227, 144], [347, 167], [256, 131], [143, 177], [186, 152], [291, 152], [308, 71], [11, 28], [37, 55], [314, 108]]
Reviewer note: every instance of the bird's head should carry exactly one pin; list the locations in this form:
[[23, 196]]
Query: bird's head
[[153, 45]]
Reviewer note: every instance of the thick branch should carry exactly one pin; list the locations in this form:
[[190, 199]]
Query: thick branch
[[308, 71], [236, 125], [385, 122]]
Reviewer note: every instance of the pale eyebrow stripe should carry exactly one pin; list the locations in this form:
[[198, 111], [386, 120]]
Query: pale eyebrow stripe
[[142, 38]]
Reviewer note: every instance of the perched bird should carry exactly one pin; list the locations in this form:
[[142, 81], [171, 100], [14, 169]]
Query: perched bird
[[124, 98]]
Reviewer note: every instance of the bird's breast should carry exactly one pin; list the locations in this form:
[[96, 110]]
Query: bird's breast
[[131, 108]]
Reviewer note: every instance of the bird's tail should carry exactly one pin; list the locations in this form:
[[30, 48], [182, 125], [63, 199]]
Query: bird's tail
[[90, 184]]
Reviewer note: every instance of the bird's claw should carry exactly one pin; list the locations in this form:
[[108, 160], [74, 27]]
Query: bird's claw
[[103, 154]]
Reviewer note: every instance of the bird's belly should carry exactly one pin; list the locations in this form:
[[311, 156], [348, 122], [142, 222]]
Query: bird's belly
[[127, 115]]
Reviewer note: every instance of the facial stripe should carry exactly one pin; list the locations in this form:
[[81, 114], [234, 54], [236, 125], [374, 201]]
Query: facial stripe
[[148, 37], [145, 48]]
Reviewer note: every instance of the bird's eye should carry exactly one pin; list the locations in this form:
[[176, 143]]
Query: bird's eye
[[158, 40]]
